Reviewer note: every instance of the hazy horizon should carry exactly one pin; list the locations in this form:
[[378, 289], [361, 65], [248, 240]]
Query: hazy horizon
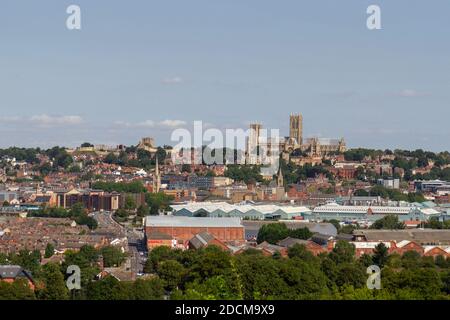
[[146, 68]]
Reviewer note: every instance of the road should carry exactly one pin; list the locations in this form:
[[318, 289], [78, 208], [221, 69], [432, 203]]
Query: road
[[107, 225], [137, 249], [136, 243]]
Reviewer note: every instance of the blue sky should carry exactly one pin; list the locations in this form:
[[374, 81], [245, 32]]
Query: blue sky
[[143, 67]]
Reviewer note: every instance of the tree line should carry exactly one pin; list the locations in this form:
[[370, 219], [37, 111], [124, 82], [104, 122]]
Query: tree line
[[212, 273], [76, 212]]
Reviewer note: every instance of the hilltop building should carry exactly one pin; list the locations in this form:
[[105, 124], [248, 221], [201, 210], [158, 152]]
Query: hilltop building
[[148, 144], [259, 147]]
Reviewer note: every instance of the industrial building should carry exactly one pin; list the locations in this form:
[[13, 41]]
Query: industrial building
[[244, 211], [176, 232], [372, 213]]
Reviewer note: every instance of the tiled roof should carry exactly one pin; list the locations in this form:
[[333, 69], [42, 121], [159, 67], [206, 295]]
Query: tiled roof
[[179, 221]]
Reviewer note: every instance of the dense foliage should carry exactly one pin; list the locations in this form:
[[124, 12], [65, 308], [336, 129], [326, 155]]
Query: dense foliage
[[127, 187], [143, 158], [77, 213], [157, 202], [274, 232], [394, 194], [434, 223], [244, 173], [212, 273], [389, 222]]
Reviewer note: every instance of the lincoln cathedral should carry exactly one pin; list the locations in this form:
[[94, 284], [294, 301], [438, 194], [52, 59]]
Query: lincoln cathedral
[[295, 144]]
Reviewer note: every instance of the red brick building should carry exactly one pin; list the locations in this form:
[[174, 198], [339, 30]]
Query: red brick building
[[10, 273], [311, 246], [406, 245], [344, 173], [179, 230], [433, 251]]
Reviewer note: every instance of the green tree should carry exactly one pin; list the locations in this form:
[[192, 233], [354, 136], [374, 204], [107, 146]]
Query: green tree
[[49, 250], [272, 233], [54, 285], [411, 260], [441, 262], [108, 288], [260, 277], [111, 158], [3, 259], [301, 233], [123, 187], [18, 290], [112, 256], [445, 278], [143, 210], [161, 154], [380, 255], [29, 260], [350, 274], [130, 204], [158, 202], [347, 229], [87, 145], [84, 219], [245, 173], [214, 288], [300, 251], [305, 279], [210, 261], [388, 222], [86, 258], [343, 252], [365, 260], [151, 289], [159, 254], [171, 272], [361, 193]]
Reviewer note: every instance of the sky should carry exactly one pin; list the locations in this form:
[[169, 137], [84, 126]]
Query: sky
[[146, 67]]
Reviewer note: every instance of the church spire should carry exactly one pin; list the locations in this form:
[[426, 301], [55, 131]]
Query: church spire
[[156, 178], [280, 180]]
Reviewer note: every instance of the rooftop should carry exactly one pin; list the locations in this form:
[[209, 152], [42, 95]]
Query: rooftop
[[423, 236], [226, 207], [198, 222]]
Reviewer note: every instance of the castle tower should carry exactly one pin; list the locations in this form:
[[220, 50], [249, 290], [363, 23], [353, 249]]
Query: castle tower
[[296, 128]]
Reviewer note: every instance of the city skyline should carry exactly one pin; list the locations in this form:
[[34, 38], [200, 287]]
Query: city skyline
[[146, 69]]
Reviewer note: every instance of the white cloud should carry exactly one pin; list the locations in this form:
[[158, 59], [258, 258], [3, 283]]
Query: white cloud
[[410, 93], [47, 120], [172, 80], [152, 124], [9, 119], [172, 123], [122, 124], [147, 123]]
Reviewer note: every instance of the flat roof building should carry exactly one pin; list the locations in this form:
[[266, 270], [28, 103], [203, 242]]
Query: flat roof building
[[370, 213], [244, 211], [421, 236], [179, 230]]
